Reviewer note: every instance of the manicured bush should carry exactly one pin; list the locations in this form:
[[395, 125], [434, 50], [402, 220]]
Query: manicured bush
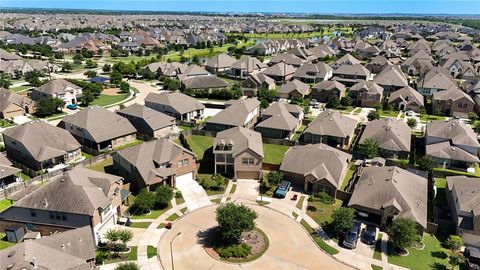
[[143, 203], [234, 251], [127, 266], [324, 198], [163, 196]]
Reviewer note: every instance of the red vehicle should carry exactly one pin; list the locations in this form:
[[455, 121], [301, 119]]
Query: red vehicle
[[294, 198], [168, 225]]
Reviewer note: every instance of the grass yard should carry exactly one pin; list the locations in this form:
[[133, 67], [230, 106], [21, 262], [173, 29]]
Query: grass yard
[[136, 142], [131, 256], [433, 256], [207, 52], [173, 217], [388, 113], [377, 254], [233, 189], [100, 166], [441, 184], [346, 109], [298, 132], [321, 212], [5, 123], [199, 144], [3, 243], [151, 251], [274, 153], [376, 267], [300, 202], [4, 204], [357, 111], [140, 225], [351, 170], [427, 117], [20, 88], [216, 200], [441, 172], [327, 248], [179, 201], [153, 214], [105, 100]]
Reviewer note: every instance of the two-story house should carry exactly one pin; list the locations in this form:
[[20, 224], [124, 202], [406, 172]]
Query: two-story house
[[60, 88], [241, 113]]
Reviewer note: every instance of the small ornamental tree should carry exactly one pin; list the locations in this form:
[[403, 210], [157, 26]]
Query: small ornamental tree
[[333, 102], [163, 196], [5, 82], [234, 219], [342, 219], [369, 148], [124, 87], [275, 177], [373, 115], [403, 232], [412, 122], [115, 77], [454, 242], [106, 68]]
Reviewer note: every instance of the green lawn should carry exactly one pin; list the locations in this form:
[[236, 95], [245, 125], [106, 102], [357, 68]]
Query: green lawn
[[346, 109], [4, 204], [105, 100], [298, 132], [172, 217], [131, 256], [300, 202], [141, 225], [207, 52], [388, 113], [327, 248], [199, 144], [100, 166], [233, 189], [441, 184], [274, 153], [449, 172], [433, 256], [427, 117], [3, 243], [321, 212], [151, 251], [5, 123], [20, 88], [153, 214], [377, 254], [376, 267], [136, 142], [351, 170]]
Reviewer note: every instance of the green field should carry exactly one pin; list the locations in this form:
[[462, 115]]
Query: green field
[[105, 100], [274, 153], [199, 144]]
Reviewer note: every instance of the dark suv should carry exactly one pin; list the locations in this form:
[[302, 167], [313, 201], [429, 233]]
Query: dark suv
[[370, 235], [351, 237], [472, 257]]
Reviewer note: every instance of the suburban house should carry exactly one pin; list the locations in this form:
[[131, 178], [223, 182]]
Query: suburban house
[[149, 122], [38, 145], [293, 89], [347, 59], [74, 249], [325, 90], [239, 153], [366, 93], [280, 72], [452, 144], [154, 163], [331, 127], [313, 73], [241, 113], [246, 66], [398, 193], [280, 120], [316, 167], [80, 197], [255, 82], [59, 88], [453, 102], [13, 104], [178, 105], [463, 194], [405, 99], [287, 58], [219, 63], [351, 74], [195, 77], [99, 129], [377, 64], [391, 78], [8, 173], [393, 137], [435, 80]]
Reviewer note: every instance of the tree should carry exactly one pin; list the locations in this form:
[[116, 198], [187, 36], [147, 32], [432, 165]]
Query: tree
[[125, 236], [33, 78], [90, 63], [48, 106], [87, 98], [346, 101], [90, 73], [77, 59], [426, 163], [473, 116], [106, 68], [403, 232], [233, 220], [454, 243], [373, 115], [5, 82], [333, 102], [163, 196], [412, 122], [476, 127], [143, 203], [275, 177], [342, 219], [127, 266], [369, 148], [219, 181], [115, 77], [67, 67], [171, 84], [124, 87]]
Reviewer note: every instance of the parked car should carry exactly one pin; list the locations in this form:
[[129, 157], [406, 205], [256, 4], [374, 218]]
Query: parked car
[[410, 113], [370, 235], [472, 258], [351, 237], [72, 106], [282, 189], [313, 102]]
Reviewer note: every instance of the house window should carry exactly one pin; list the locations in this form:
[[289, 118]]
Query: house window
[[33, 213], [182, 163], [64, 216], [462, 105], [51, 214], [248, 161]]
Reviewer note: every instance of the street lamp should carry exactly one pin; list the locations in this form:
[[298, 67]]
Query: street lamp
[[171, 251]]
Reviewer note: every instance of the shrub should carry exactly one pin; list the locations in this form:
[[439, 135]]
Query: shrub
[[275, 177], [402, 232], [143, 203], [454, 242], [373, 115], [324, 198], [127, 266], [234, 219], [412, 122], [100, 256], [178, 194], [342, 219], [234, 251], [163, 196]]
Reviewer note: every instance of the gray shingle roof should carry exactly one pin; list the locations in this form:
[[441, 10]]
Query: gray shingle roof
[[178, 101], [390, 134], [241, 140], [155, 119], [408, 95], [295, 84], [236, 114], [7, 98], [56, 87], [382, 187], [332, 123], [467, 190]]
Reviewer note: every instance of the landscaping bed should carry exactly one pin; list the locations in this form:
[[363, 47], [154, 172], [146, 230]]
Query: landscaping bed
[[253, 245]]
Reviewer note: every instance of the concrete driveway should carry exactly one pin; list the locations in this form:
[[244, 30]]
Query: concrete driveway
[[290, 246], [194, 195], [247, 190]]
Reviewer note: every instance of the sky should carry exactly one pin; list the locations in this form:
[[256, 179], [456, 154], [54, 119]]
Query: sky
[[283, 6]]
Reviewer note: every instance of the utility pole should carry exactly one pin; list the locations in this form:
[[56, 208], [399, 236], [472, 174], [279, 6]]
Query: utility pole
[[171, 251]]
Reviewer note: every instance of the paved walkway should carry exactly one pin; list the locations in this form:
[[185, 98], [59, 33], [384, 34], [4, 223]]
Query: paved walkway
[[194, 195]]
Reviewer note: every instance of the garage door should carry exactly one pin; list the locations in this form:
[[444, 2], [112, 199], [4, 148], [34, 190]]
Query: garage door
[[247, 175]]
